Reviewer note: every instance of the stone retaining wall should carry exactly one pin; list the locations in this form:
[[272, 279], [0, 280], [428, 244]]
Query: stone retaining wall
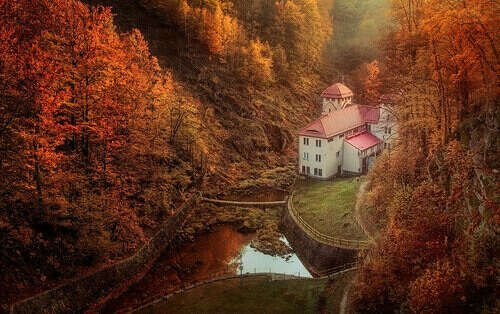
[[316, 256], [82, 294]]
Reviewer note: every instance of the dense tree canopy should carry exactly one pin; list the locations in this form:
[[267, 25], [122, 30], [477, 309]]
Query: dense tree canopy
[[98, 143], [84, 129], [437, 192]]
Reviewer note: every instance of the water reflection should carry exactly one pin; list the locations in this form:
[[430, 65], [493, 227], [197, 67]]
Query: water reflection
[[212, 255], [252, 261]]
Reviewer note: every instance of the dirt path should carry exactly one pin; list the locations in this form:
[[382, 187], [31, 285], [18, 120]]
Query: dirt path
[[322, 308], [357, 211], [343, 303]]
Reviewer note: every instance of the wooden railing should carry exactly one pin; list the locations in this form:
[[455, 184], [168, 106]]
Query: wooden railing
[[321, 237], [239, 203], [337, 269]]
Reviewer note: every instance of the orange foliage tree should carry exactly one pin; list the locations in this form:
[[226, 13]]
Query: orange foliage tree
[[77, 100], [436, 189]]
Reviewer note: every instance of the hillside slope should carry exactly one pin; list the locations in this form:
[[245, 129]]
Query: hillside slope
[[244, 128], [119, 126]]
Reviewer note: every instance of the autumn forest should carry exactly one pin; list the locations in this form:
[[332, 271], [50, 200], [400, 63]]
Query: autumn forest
[[113, 114]]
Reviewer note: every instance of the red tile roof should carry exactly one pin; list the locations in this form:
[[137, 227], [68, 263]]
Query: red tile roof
[[340, 121], [369, 113], [337, 90], [363, 140]]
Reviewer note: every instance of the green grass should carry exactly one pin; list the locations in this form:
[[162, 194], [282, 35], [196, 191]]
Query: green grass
[[255, 295], [328, 206]]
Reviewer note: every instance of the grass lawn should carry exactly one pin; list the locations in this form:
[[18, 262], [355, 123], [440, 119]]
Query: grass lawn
[[255, 295], [328, 206]]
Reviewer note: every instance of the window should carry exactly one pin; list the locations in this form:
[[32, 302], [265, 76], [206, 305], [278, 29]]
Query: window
[[306, 141], [318, 158], [303, 169], [390, 130], [369, 127], [331, 139], [315, 171], [318, 143], [306, 156], [341, 135], [338, 154], [359, 153], [385, 130], [320, 172], [385, 145], [308, 170]]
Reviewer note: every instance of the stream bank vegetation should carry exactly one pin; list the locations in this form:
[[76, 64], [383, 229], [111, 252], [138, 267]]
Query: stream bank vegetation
[[265, 222]]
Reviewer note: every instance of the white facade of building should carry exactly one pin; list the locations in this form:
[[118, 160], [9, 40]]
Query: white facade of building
[[352, 161], [386, 128], [336, 156], [320, 161], [346, 138], [333, 104]]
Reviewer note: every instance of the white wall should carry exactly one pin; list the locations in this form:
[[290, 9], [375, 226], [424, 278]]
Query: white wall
[[328, 151], [312, 150], [351, 162], [386, 122], [330, 104], [336, 145]]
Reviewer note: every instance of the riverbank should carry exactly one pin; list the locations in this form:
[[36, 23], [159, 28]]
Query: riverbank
[[262, 221], [200, 251], [223, 252]]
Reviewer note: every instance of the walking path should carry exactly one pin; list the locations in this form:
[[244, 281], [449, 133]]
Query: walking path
[[224, 202], [242, 203], [357, 211], [343, 303]]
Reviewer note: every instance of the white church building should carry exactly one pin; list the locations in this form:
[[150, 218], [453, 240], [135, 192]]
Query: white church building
[[346, 138]]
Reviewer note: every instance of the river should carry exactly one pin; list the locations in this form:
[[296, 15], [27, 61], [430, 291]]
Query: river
[[214, 254]]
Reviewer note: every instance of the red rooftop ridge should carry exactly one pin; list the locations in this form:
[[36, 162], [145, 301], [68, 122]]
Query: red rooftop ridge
[[340, 121], [337, 91]]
